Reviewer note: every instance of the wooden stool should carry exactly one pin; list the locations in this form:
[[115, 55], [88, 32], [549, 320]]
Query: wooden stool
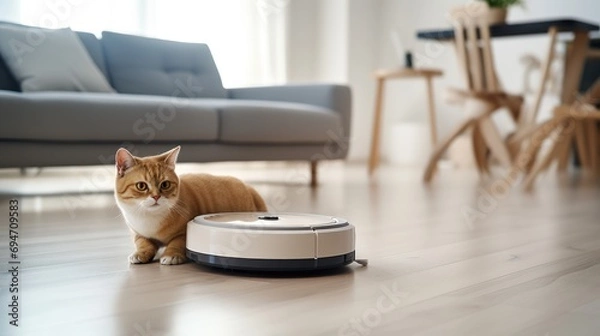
[[382, 76]]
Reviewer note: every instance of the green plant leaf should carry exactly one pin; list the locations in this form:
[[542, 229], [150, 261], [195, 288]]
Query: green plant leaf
[[503, 3]]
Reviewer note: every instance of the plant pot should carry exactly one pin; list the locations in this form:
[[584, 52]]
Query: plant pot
[[497, 16]]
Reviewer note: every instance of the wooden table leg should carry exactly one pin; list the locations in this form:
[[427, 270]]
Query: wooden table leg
[[574, 63], [563, 131], [530, 118], [592, 138], [597, 139], [539, 166], [562, 153], [375, 140], [580, 141], [574, 67]]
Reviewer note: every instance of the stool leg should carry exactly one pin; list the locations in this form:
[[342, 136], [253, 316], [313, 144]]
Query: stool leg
[[431, 106], [374, 155]]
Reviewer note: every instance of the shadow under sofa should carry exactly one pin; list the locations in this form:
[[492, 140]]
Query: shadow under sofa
[[166, 94]]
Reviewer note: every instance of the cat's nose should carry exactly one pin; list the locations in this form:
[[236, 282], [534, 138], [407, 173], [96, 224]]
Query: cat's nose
[[156, 197]]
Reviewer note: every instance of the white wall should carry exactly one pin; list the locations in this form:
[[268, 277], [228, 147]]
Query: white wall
[[318, 41], [363, 55], [337, 41], [332, 40], [302, 43]]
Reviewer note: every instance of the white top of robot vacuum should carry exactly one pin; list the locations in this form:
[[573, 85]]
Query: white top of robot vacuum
[[267, 221]]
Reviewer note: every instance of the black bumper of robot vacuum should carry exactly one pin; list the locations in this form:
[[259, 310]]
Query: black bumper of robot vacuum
[[277, 265]]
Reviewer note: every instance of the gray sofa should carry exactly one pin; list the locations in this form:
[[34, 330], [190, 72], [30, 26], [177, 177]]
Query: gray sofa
[[168, 93]]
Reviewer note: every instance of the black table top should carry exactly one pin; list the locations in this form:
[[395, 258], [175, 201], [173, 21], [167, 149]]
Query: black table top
[[517, 29]]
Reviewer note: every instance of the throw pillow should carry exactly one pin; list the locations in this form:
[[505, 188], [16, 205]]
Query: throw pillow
[[50, 60]]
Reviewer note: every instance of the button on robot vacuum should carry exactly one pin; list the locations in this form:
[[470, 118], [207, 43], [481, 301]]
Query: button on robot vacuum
[[269, 217]]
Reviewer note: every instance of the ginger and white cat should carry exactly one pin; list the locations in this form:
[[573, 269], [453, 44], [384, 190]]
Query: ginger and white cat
[[157, 204]]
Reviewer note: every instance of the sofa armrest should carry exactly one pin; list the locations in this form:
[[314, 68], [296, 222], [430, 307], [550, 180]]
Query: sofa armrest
[[335, 97]]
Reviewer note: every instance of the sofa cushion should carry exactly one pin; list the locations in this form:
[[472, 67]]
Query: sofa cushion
[[142, 65], [91, 43], [267, 122], [102, 117], [49, 60]]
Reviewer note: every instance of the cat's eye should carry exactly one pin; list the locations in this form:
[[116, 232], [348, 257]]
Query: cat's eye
[[165, 185], [141, 186]]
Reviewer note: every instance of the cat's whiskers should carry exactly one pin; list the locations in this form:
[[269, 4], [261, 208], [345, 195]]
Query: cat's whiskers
[[139, 210], [180, 210]]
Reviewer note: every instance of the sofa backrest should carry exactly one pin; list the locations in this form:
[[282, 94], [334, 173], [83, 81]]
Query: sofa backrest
[[142, 65], [91, 43], [94, 48]]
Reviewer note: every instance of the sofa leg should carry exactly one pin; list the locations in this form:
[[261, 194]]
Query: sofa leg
[[313, 173]]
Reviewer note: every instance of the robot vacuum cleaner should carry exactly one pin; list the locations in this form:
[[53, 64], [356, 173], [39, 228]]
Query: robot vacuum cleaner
[[255, 241]]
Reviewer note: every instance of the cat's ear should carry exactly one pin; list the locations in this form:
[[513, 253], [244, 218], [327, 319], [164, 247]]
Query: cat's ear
[[171, 157], [123, 160]]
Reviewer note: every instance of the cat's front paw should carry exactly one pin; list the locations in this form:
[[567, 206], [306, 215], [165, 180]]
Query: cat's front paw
[[172, 259], [140, 258]]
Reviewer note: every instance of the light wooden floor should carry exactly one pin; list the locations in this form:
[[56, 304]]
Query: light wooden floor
[[447, 259]]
